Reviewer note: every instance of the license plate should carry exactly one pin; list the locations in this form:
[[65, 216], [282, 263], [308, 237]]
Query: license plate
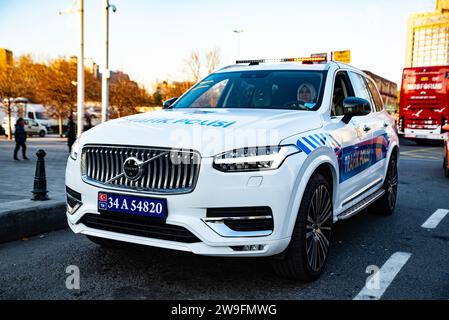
[[139, 206]]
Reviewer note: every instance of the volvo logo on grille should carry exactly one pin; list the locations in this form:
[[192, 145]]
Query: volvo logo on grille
[[133, 168]]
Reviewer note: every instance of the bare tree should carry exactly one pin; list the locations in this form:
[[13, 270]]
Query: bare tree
[[16, 81], [57, 88], [212, 60], [125, 96], [193, 64], [169, 89]]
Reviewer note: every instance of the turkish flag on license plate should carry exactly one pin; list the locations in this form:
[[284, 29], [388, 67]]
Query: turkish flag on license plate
[[103, 197]]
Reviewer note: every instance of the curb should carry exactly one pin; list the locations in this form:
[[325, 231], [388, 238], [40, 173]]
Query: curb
[[25, 218]]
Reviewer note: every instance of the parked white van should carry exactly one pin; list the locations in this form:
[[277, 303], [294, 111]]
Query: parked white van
[[32, 127]]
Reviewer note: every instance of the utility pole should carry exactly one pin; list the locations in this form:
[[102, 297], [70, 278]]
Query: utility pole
[[238, 32], [106, 74], [80, 102]]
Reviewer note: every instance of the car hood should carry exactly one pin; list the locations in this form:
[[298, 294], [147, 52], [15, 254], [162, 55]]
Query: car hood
[[207, 131]]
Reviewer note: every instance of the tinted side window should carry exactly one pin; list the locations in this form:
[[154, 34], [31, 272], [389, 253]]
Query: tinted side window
[[359, 85], [342, 90], [376, 96]]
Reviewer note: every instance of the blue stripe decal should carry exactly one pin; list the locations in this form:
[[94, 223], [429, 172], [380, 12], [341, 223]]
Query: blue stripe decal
[[315, 140], [322, 139], [303, 147], [310, 143]]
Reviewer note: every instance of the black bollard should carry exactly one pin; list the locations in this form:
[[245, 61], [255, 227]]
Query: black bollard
[[40, 181]]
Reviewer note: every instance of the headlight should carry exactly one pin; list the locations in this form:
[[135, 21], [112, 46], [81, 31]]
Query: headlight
[[253, 159], [75, 149]]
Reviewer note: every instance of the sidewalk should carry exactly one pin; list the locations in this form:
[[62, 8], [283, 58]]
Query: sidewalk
[[17, 177], [20, 216]]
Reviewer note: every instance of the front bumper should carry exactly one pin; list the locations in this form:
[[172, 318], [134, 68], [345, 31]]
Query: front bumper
[[214, 189]]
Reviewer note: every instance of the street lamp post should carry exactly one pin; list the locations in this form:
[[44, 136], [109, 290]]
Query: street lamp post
[[106, 72], [80, 82], [238, 32]]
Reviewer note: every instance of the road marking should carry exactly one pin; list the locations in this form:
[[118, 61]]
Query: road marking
[[418, 156], [386, 275], [421, 154], [419, 160], [424, 150], [435, 219]]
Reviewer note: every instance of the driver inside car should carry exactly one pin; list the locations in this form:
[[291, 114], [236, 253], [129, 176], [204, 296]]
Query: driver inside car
[[306, 92]]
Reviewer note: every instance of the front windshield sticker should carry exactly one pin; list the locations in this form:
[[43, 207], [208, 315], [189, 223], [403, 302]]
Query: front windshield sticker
[[200, 122]]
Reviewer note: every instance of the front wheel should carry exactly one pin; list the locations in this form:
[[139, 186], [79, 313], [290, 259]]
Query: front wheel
[[42, 133], [306, 255]]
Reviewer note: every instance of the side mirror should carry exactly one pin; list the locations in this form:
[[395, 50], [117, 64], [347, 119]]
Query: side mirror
[[168, 103], [445, 128], [353, 106]]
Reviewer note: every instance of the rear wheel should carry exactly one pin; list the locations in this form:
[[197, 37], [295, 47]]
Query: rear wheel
[[306, 255], [42, 133], [445, 164], [107, 243], [387, 203]]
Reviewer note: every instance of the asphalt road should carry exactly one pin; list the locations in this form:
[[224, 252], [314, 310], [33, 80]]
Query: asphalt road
[[36, 268]]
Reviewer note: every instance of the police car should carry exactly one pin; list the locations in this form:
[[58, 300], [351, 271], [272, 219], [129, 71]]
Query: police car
[[259, 159]]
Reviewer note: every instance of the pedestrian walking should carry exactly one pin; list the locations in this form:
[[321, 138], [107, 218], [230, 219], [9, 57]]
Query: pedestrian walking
[[20, 136], [71, 133]]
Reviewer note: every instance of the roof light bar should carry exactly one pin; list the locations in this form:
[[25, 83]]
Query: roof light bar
[[305, 59]]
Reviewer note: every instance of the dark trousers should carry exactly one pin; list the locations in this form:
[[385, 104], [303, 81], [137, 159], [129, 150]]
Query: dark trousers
[[24, 149], [70, 144]]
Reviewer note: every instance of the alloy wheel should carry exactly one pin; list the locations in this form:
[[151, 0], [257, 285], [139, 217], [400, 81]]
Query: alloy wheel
[[392, 186], [318, 228]]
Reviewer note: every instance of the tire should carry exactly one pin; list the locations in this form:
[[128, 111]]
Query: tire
[[306, 256], [107, 243], [446, 169], [42, 133], [387, 203]]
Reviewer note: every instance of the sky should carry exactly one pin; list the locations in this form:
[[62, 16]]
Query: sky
[[150, 40]]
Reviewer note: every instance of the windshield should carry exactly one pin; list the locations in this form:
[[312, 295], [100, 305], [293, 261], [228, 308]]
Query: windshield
[[295, 90], [41, 116]]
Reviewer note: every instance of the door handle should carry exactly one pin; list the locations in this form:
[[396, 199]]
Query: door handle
[[366, 128]]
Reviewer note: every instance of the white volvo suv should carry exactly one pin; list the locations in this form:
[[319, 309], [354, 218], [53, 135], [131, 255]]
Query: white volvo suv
[[257, 159]]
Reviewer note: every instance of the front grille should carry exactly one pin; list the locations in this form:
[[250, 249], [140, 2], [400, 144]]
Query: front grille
[[138, 226], [172, 171]]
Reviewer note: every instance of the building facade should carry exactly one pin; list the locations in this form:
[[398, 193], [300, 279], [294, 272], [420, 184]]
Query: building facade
[[388, 90], [6, 57], [428, 37]]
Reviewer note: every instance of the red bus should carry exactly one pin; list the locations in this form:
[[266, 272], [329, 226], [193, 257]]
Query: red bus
[[424, 103]]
